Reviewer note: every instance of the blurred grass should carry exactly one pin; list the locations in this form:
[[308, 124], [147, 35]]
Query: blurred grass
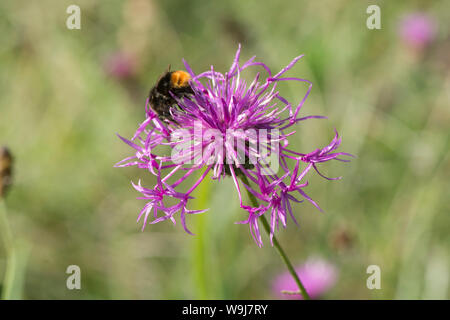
[[59, 112]]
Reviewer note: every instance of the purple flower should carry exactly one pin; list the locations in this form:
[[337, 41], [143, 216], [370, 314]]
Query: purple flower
[[317, 275], [227, 128], [119, 65], [417, 30]]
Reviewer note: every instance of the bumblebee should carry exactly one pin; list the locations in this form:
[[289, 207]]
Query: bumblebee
[[175, 82]]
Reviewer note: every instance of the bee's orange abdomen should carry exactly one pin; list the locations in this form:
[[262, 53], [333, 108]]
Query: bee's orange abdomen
[[180, 79]]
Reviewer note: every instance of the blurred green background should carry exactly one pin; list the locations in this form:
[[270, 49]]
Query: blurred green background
[[61, 104]]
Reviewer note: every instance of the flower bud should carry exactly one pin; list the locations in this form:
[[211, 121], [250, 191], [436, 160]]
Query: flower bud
[[5, 170]]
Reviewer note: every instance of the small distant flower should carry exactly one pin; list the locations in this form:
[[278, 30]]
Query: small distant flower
[[228, 127], [417, 30], [317, 275], [119, 65], [6, 162], [342, 238]]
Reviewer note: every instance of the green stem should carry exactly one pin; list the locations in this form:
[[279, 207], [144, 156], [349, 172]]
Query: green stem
[[276, 244], [4, 227], [5, 230], [200, 246], [17, 252]]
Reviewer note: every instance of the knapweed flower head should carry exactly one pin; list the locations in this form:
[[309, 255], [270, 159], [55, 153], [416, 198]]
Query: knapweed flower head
[[318, 276], [228, 127], [119, 65], [417, 30]]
